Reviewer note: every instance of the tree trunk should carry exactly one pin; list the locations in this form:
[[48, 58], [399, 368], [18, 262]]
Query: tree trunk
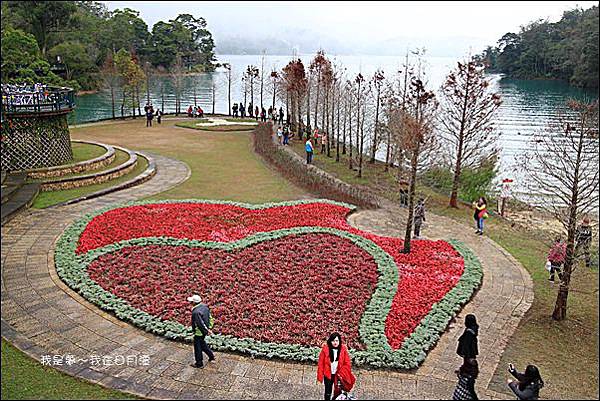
[[317, 99], [328, 128], [112, 100], [411, 198], [337, 141], [560, 308], [344, 130], [299, 114], [308, 127], [374, 148], [229, 91], [388, 150], [350, 135], [456, 182]]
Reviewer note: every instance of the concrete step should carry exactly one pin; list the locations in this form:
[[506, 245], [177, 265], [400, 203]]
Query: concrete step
[[20, 200]]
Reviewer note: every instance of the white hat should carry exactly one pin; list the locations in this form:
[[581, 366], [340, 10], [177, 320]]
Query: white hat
[[195, 299]]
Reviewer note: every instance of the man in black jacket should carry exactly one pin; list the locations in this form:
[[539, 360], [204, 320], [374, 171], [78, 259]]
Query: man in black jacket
[[201, 327]]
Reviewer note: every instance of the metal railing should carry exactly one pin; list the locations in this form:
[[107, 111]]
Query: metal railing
[[49, 99]]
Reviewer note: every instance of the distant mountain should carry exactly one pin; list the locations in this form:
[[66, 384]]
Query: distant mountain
[[307, 42]]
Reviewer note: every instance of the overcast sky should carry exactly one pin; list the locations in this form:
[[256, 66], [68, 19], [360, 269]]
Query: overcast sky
[[476, 22]]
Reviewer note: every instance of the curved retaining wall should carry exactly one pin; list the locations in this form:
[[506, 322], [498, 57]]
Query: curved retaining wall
[[294, 167], [95, 178], [86, 165]]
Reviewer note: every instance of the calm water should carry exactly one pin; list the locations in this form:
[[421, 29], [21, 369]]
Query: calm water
[[527, 105]]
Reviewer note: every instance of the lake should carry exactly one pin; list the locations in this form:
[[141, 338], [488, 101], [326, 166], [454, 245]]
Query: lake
[[528, 105]]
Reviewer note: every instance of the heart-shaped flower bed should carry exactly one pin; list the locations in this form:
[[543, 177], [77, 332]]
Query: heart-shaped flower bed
[[278, 277]]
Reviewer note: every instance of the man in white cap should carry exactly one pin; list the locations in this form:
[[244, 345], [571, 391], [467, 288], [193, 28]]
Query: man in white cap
[[201, 327]]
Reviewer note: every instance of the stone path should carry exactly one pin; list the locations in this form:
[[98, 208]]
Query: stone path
[[43, 317]]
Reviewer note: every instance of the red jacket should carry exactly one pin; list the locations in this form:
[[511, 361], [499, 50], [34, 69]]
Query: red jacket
[[344, 370]]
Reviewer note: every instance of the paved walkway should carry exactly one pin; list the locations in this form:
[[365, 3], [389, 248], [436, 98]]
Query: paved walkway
[[41, 316]]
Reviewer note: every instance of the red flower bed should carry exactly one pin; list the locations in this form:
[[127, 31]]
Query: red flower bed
[[294, 290], [425, 275], [204, 221]]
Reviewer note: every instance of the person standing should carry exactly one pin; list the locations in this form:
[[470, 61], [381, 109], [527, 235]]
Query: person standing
[[480, 214], [465, 388], [419, 217], [334, 369], [243, 110], [280, 115], [256, 113], [149, 116], [556, 257], [528, 384], [234, 110], [158, 116], [505, 194], [263, 115], [323, 142], [309, 151], [583, 236], [286, 135], [201, 327], [279, 135], [467, 342]]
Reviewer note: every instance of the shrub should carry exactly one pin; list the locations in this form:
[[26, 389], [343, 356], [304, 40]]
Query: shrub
[[474, 182]]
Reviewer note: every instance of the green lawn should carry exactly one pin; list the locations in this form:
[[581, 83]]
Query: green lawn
[[45, 199], [223, 166], [566, 352], [86, 151], [26, 379], [241, 120]]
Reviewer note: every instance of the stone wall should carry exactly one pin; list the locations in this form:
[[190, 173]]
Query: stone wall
[[92, 179]]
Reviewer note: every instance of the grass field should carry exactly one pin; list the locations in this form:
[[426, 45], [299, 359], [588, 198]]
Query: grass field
[[566, 352], [25, 379], [86, 151], [223, 166]]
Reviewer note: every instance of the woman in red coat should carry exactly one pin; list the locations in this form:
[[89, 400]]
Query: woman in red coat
[[334, 367]]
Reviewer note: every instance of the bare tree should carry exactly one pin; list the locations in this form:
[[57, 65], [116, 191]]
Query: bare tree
[[468, 106], [227, 66], [251, 75], [350, 96], [274, 79], [359, 128], [412, 115], [378, 81], [262, 77], [561, 165], [177, 78], [317, 65], [110, 78]]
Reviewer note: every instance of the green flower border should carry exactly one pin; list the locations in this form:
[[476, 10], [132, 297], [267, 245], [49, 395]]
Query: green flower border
[[72, 269]]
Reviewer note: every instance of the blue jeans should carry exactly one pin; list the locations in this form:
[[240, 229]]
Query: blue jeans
[[480, 224]]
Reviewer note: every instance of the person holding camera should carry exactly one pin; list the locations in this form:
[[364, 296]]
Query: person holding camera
[[528, 384]]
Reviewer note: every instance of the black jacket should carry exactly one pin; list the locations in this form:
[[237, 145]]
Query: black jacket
[[200, 320], [525, 390], [467, 344]]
